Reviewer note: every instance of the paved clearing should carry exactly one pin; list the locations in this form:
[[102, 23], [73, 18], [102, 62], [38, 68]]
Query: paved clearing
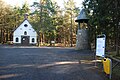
[[31, 63]]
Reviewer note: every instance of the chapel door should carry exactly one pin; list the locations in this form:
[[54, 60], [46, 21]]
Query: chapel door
[[25, 40]]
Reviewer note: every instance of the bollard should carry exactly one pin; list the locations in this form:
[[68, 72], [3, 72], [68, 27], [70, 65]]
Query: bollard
[[107, 65]]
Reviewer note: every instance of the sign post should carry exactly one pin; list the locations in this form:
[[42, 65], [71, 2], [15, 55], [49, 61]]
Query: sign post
[[100, 46], [100, 51]]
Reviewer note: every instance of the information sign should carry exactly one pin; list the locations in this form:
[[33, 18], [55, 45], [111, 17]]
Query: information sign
[[100, 45]]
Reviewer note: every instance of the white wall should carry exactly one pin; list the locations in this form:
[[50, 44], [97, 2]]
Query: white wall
[[34, 41], [14, 39], [20, 32]]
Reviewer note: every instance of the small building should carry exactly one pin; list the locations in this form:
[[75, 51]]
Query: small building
[[82, 42], [25, 34]]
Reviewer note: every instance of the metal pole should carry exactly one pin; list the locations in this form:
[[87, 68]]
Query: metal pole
[[110, 76]]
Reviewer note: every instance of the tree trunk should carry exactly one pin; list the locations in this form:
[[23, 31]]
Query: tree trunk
[[1, 35], [43, 39], [38, 39], [117, 34]]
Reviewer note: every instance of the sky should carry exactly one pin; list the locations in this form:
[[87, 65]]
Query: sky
[[30, 2]]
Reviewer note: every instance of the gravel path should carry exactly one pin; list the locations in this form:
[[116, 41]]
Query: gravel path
[[47, 63]]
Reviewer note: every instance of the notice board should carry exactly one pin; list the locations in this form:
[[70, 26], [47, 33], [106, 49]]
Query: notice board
[[100, 45]]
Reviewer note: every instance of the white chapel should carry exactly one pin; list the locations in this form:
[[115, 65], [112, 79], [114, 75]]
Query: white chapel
[[25, 34]]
